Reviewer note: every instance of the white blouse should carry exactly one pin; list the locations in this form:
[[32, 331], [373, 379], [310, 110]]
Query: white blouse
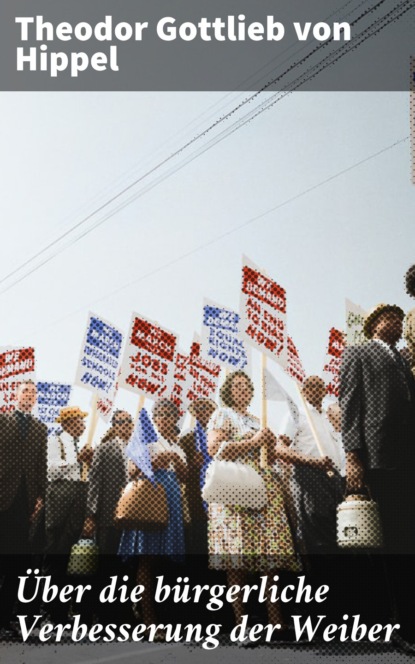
[[233, 424]]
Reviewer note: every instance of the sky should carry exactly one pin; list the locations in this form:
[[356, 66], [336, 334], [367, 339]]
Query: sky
[[298, 190]]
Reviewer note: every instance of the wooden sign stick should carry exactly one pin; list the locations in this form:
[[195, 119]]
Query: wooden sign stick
[[140, 406]]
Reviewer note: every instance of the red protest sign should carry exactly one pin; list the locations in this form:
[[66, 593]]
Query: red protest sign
[[294, 365], [105, 405], [148, 359], [331, 369], [204, 374], [263, 313], [182, 382], [16, 365]]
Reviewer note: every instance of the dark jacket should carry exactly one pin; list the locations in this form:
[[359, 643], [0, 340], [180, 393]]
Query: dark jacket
[[107, 479], [193, 490], [377, 399], [22, 457]]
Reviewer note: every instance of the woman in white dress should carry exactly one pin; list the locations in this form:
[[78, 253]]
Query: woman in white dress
[[244, 540]]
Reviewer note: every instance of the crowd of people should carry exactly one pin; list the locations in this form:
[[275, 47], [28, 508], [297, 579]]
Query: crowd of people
[[365, 442]]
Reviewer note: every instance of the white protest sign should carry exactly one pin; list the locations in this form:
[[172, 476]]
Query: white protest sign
[[221, 340], [294, 367], [105, 405], [355, 318], [16, 366], [331, 369], [182, 382], [275, 392], [204, 373], [263, 313], [148, 362], [51, 397], [100, 357]]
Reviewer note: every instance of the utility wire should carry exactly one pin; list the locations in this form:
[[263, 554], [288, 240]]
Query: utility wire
[[232, 231], [308, 75]]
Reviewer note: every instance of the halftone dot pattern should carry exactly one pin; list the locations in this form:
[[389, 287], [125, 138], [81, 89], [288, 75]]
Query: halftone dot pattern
[[377, 398], [409, 330], [412, 114], [140, 513]]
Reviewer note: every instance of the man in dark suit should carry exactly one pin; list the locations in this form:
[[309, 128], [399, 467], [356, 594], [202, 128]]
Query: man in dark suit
[[108, 477], [377, 399], [196, 532], [23, 441]]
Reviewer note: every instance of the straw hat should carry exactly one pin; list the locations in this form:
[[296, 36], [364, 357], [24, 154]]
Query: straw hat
[[374, 314], [70, 411]]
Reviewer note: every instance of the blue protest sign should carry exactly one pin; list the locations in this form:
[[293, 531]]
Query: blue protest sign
[[51, 397], [220, 337], [100, 357]]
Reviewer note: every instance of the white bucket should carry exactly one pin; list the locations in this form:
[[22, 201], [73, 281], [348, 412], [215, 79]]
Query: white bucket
[[358, 524]]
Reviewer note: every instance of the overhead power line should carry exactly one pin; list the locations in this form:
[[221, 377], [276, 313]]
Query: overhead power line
[[119, 198], [232, 231]]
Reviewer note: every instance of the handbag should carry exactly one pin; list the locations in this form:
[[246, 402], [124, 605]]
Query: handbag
[[234, 483], [142, 506]]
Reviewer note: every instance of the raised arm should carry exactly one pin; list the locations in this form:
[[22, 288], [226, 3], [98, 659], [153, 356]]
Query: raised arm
[[285, 453]]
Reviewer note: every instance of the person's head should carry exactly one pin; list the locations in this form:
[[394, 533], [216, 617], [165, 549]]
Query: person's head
[[410, 281], [334, 415], [202, 409], [314, 390], [72, 420], [385, 322], [26, 396], [122, 425], [165, 417], [237, 391]]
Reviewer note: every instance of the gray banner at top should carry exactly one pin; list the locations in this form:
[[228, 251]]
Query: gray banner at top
[[206, 44]]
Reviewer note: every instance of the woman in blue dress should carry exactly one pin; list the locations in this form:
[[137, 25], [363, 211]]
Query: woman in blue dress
[[169, 466]]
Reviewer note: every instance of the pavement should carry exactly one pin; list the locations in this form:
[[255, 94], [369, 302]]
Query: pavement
[[147, 653]]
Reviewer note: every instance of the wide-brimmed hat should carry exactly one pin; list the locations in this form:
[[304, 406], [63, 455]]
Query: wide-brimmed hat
[[70, 411], [374, 314], [201, 404]]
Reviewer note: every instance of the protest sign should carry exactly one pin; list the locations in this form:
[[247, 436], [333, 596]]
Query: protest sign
[[221, 341], [355, 318], [105, 405], [331, 369], [275, 392], [149, 358], [51, 397], [294, 365], [16, 366], [204, 374], [182, 382], [263, 313], [100, 357]]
